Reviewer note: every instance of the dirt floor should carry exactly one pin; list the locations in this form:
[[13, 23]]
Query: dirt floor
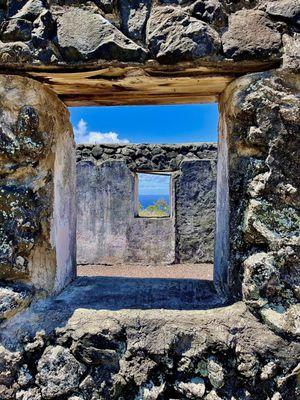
[[176, 271]]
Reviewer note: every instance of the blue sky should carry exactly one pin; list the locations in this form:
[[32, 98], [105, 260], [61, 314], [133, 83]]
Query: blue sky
[[154, 184], [145, 124]]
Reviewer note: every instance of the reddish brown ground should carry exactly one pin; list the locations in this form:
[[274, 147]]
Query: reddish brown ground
[[177, 271]]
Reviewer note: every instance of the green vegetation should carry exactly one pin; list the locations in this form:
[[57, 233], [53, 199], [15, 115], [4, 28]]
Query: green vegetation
[[159, 209]]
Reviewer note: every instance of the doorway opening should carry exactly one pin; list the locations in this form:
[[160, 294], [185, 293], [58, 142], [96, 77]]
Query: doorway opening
[[146, 210]]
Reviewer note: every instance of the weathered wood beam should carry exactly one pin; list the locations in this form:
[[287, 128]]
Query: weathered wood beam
[[128, 85], [88, 88]]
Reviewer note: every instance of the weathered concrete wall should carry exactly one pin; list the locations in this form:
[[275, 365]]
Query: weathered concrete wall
[[108, 231], [195, 192], [37, 178]]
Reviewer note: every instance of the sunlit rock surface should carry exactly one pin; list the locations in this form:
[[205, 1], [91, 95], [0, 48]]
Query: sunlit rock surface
[[74, 32]]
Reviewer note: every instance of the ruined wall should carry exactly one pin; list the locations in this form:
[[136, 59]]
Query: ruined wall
[[249, 350], [195, 191], [260, 123], [108, 231], [37, 178], [40, 32]]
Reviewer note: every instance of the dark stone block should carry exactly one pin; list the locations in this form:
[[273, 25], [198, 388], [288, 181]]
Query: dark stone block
[[194, 39], [134, 15], [102, 40], [19, 226], [251, 35], [16, 30]]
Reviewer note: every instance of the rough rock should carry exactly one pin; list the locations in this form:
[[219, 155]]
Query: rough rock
[[29, 394], [160, 353], [9, 366], [15, 52], [251, 35], [59, 373], [134, 15], [194, 39], [14, 6], [16, 30], [24, 140], [210, 11], [36, 151], [147, 156], [291, 53], [105, 5], [19, 217], [195, 389], [32, 9], [263, 192], [24, 376], [284, 9], [171, 31], [13, 299], [212, 395], [43, 30], [215, 373], [102, 39]]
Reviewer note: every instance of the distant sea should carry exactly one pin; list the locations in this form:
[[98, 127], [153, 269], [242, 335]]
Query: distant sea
[[149, 199]]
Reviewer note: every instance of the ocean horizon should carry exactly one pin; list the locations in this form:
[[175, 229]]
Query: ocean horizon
[[150, 199]]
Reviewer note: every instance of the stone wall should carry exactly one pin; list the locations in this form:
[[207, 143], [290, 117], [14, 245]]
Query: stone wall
[[40, 32], [37, 179], [260, 116], [195, 191], [108, 231], [121, 52], [217, 354]]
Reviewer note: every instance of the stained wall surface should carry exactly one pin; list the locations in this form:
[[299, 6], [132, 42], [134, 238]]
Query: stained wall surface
[[108, 230], [37, 186]]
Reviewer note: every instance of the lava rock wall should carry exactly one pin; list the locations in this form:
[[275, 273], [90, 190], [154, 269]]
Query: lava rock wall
[[260, 129], [54, 32]]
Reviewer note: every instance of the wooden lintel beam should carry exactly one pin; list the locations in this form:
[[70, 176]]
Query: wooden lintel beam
[[133, 86]]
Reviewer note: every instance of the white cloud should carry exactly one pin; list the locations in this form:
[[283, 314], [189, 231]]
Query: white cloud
[[83, 135]]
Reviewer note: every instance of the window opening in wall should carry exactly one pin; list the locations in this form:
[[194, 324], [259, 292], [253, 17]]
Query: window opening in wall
[[153, 194], [146, 188]]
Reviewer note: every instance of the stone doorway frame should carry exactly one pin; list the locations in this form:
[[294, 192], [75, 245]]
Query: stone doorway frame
[[248, 156]]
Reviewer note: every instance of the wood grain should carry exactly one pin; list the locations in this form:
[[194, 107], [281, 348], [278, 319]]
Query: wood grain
[[129, 85]]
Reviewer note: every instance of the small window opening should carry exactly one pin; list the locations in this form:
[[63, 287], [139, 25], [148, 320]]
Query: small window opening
[[153, 195]]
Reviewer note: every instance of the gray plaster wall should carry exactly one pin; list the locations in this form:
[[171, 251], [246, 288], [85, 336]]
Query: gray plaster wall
[[195, 192], [108, 232]]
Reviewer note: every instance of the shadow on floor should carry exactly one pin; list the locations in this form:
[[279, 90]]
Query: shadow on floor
[[112, 294], [115, 293]]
